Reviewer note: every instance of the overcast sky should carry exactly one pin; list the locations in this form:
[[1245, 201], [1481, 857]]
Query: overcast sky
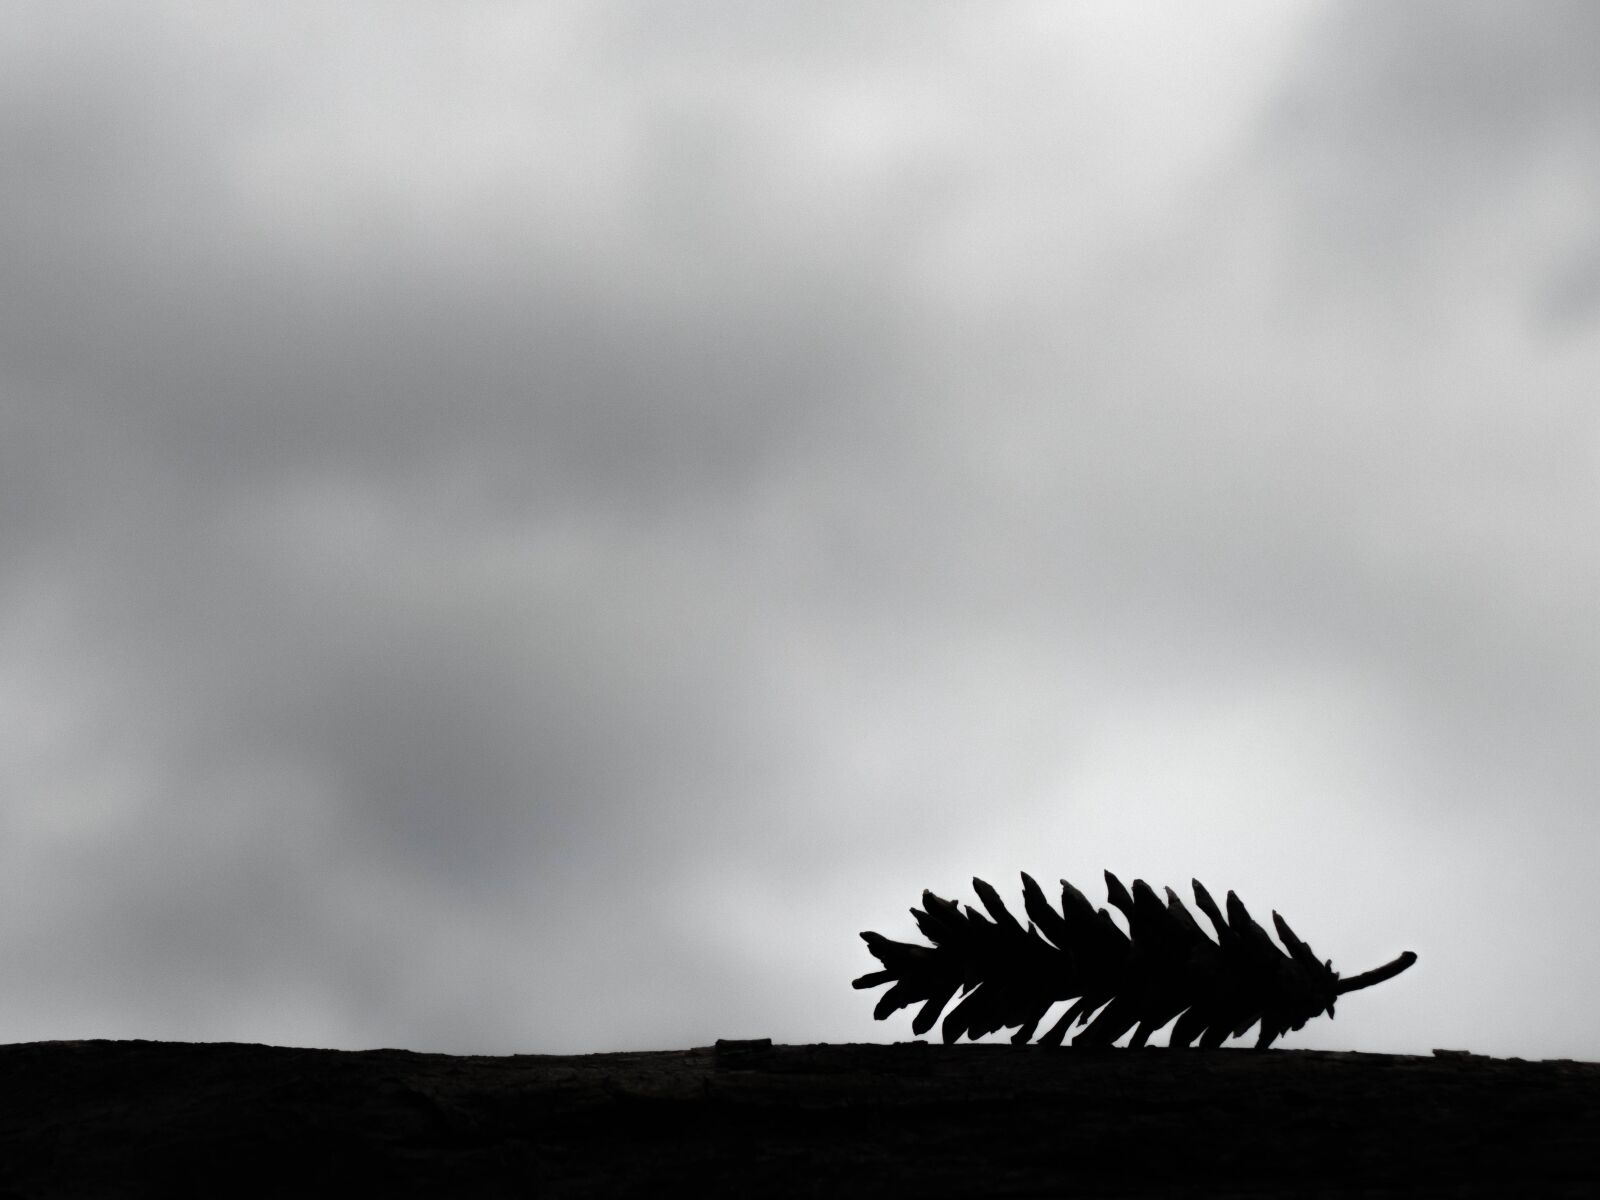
[[523, 528]]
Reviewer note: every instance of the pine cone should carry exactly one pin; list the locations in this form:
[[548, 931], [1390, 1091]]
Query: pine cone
[[1165, 966]]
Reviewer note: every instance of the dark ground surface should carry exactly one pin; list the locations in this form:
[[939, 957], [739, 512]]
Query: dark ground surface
[[90, 1119]]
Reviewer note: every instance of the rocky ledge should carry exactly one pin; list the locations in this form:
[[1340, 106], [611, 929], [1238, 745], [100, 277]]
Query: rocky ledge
[[101, 1119]]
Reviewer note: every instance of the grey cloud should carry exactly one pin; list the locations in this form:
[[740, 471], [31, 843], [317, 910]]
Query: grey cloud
[[1413, 139], [616, 355], [546, 525]]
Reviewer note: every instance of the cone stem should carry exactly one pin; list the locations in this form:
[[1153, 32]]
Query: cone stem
[[1378, 975]]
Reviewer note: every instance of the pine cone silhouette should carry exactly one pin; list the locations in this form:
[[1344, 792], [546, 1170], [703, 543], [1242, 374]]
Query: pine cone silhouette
[[1165, 966]]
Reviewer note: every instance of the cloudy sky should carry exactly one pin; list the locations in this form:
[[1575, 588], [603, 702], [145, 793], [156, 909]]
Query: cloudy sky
[[525, 527]]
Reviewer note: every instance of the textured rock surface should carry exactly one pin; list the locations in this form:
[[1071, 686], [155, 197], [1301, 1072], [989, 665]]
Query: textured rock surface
[[81, 1119]]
